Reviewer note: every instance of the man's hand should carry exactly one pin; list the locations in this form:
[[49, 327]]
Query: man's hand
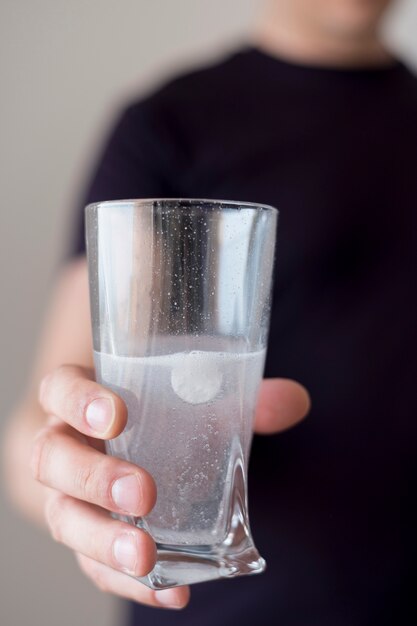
[[85, 484]]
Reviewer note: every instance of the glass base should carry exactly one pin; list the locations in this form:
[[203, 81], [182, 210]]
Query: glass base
[[236, 555], [178, 566]]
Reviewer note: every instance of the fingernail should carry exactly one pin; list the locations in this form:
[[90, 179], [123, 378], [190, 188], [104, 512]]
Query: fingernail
[[126, 493], [125, 552], [168, 598], [100, 415]]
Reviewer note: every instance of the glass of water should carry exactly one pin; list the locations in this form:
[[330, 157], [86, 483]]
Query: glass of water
[[180, 299]]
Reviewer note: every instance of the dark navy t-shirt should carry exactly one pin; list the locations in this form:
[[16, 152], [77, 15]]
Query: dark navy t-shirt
[[331, 501]]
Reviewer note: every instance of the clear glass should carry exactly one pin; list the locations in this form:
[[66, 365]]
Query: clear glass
[[180, 300]]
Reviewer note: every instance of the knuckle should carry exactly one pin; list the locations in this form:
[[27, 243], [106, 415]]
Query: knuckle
[[41, 452], [92, 482], [84, 480], [67, 381]]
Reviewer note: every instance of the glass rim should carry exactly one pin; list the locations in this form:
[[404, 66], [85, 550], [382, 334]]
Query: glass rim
[[204, 202]]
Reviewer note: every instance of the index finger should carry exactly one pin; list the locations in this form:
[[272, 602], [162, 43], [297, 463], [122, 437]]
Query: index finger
[[71, 394]]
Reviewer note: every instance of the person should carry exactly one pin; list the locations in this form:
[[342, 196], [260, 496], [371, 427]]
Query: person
[[316, 117]]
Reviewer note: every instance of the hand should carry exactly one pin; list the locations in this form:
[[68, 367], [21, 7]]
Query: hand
[[68, 457], [85, 484]]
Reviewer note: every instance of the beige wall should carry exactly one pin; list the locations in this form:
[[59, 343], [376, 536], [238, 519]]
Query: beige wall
[[64, 69]]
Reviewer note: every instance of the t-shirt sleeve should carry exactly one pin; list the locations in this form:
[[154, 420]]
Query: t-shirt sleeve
[[135, 163]]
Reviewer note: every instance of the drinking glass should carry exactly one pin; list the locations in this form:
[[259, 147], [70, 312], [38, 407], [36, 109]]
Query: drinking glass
[[180, 298]]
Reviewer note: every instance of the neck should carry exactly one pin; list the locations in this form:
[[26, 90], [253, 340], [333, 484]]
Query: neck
[[284, 35]]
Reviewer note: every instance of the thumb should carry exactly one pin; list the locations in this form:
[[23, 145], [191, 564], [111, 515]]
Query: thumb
[[282, 403]]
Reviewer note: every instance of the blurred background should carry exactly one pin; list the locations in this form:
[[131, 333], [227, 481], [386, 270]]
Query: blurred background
[[65, 69]]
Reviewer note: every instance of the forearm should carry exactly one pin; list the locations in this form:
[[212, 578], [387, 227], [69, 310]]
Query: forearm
[[66, 338]]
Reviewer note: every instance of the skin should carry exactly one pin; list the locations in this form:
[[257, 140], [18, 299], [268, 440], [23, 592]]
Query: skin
[[69, 483], [338, 33]]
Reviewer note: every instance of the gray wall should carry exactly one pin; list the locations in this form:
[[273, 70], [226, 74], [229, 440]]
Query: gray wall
[[65, 67]]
